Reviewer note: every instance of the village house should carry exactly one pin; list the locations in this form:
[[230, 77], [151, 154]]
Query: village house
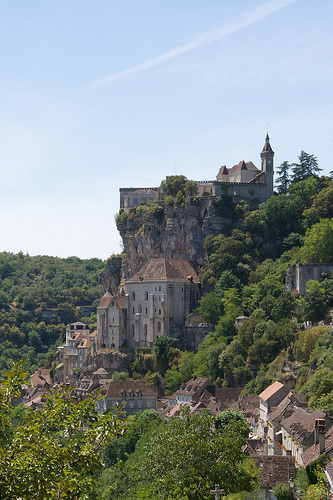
[[72, 354], [323, 444], [133, 394], [269, 399], [298, 432]]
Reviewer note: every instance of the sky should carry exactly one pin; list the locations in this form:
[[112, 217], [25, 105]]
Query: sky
[[99, 95]]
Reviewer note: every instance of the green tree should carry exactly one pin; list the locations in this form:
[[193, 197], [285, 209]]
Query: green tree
[[210, 307], [173, 184], [53, 452], [318, 242], [284, 177], [191, 188], [199, 456], [306, 167], [282, 491]]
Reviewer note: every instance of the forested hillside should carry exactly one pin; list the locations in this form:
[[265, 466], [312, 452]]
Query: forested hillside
[[38, 297], [245, 276]]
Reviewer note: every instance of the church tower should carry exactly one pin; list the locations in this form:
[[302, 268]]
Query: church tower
[[267, 158]]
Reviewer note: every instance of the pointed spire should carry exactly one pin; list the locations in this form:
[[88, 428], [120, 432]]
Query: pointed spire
[[267, 147]]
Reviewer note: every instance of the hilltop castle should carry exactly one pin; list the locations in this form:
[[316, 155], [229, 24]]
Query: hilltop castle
[[242, 181]]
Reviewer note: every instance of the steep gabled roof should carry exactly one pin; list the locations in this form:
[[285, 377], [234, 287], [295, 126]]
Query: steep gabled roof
[[172, 270], [223, 170], [275, 469], [272, 390], [41, 378]]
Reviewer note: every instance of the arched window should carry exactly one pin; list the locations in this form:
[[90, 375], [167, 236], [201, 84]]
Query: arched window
[[139, 394], [132, 330], [146, 310], [132, 395], [133, 295], [140, 309], [146, 295], [158, 326], [145, 329]]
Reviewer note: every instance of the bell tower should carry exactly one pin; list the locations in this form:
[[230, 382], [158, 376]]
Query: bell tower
[[267, 165]]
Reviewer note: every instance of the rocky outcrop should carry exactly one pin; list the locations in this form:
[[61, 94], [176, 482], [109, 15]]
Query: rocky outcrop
[[112, 361], [180, 234], [110, 277]]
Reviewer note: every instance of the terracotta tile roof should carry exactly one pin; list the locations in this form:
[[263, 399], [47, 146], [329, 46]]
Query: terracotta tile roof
[[121, 302], [223, 170], [312, 453], [301, 423], [41, 377], [166, 270], [105, 300], [275, 469], [194, 387], [242, 165], [272, 390], [116, 389], [254, 179]]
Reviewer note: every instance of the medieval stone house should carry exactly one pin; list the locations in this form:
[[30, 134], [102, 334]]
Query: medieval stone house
[[153, 301]]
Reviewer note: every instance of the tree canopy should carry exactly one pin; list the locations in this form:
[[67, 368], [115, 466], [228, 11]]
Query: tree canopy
[[52, 452]]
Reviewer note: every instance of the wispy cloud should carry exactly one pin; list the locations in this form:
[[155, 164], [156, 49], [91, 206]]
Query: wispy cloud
[[256, 14]]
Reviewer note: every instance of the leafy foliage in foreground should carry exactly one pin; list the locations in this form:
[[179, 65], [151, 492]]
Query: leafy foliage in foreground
[[183, 459], [51, 453]]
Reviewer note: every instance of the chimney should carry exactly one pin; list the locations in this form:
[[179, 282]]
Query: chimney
[[39, 372], [320, 427]]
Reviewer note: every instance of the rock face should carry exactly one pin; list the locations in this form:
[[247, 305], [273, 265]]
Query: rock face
[[110, 277], [180, 234]]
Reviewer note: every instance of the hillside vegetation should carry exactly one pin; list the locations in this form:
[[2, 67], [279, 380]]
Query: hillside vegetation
[[32, 286], [245, 275]]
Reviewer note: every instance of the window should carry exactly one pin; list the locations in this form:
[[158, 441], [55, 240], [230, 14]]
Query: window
[[133, 310], [124, 395], [139, 404], [140, 309], [159, 326], [140, 395], [145, 329], [131, 404], [159, 288], [133, 295], [148, 404], [132, 330], [132, 395], [146, 295], [146, 310]]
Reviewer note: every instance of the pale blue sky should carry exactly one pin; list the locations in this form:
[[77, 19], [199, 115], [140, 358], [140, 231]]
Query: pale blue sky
[[98, 95]]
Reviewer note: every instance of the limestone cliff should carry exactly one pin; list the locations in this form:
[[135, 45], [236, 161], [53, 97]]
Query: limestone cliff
[[179, 234], [110, 277]]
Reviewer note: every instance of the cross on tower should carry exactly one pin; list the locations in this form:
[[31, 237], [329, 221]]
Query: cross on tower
[[217, 492]]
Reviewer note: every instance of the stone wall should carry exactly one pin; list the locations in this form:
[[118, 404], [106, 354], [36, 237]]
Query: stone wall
[[297, 276]]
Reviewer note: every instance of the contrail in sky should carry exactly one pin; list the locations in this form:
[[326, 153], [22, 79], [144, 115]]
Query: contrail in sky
[[259, 12]]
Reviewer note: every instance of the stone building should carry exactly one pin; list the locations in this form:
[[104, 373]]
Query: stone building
[[298, 275], [72, 354], [242, 181], [153, 302], [134, 394]]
